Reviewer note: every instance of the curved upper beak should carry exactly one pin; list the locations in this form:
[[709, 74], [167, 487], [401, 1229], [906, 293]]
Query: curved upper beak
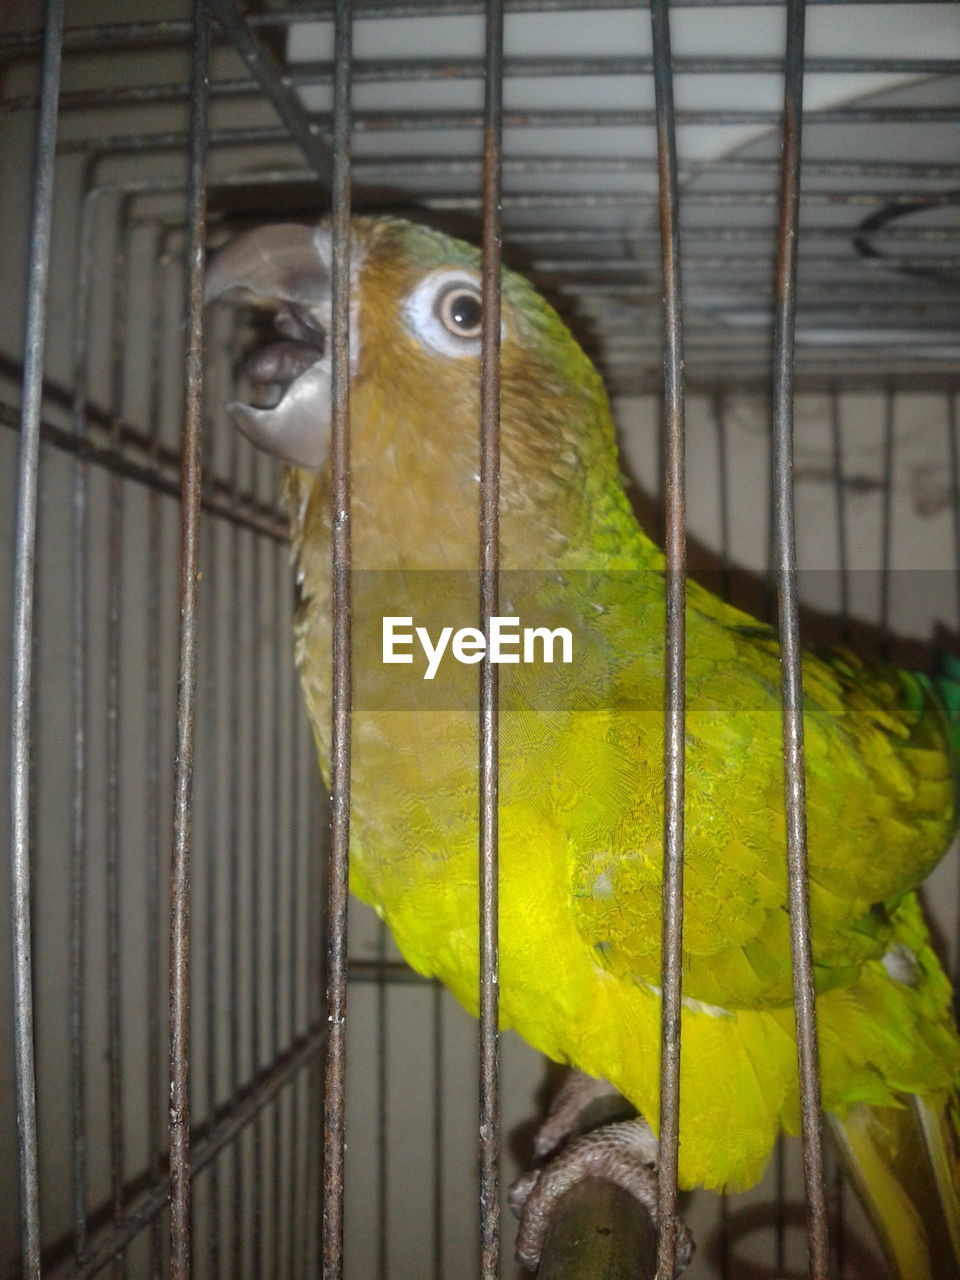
[[281, 263], [286, 268]]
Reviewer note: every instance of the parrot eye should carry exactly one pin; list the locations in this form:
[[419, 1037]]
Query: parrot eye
[[459, 311], [444, 313]]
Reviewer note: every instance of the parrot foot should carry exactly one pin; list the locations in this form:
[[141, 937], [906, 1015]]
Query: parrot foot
[[624, 1153], [568, 1107]]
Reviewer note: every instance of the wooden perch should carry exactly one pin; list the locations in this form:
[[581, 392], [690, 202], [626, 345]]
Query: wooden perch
[[599, 1232]]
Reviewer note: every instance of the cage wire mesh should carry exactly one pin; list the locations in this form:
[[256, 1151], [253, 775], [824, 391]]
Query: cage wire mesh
[[877, 520]]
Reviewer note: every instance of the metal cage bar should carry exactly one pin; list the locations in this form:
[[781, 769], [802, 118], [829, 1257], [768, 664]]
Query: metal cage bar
[[22, 693], [211, 922], [674, 734], [79, 709], [834, 1183], [180, 871], [112, 711], [488, 711], [790, 653], [163, 265], [335, 1078]]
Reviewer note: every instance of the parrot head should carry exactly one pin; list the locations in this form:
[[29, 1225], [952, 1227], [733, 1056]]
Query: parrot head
[[415, 327]]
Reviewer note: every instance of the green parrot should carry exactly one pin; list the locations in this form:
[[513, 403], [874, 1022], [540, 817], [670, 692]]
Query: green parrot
[[581, 747]]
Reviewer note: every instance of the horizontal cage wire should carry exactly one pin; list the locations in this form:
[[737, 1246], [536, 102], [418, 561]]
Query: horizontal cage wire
[[129, 149]]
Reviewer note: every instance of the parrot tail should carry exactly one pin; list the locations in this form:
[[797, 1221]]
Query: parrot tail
[[905, 1163]]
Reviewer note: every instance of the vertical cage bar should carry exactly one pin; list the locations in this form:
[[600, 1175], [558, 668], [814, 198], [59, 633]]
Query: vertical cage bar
[[275, 558], [114, 594], [674, 640], [718, 407], [254, 756], [233, 869], [790, 652], [335, 1074], [293, 930], [161, 272], [179, 1126], [79, 637], [38, 263], [489, 1136], [312, 1223], [212, 810]]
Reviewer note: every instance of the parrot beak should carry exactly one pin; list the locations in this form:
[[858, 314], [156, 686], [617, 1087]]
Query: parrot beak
[[286, 269]]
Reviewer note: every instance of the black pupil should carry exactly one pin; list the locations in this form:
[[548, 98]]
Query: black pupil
[[464, 311]]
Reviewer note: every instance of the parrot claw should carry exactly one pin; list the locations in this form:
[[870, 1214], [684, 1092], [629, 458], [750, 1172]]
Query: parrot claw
[[623, 1153], [579, 1095]]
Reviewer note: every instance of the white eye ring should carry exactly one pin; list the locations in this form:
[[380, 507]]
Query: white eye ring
[[436, 311]]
